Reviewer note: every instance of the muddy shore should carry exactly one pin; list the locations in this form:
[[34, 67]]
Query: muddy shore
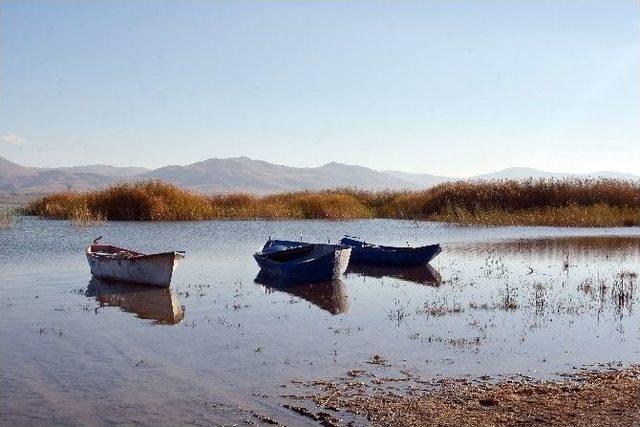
[[608, 397]]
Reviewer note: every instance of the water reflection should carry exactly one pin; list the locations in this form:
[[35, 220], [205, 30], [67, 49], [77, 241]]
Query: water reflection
[[580, 247], [147, 302], [422, 274], [491, 315], [329, 296]]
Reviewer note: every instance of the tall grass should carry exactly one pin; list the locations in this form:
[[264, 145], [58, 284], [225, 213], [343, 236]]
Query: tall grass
[[568, 202], [6, 218]]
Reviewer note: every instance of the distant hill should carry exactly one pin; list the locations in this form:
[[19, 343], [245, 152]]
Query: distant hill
[[520, 173], [17, 179], [103, 170], [10, 170], [242, 174], [12, 175], [524, 173], [247, 175], [422, 180]]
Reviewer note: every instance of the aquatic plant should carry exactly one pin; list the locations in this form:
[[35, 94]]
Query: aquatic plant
[[6, 218], [508, 300], [539, 297], [566, 202], [622, 290]]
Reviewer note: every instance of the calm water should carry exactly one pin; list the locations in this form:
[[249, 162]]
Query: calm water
[[498, 301]]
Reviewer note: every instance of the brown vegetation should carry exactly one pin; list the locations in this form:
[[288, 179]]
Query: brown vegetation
[[609, 398], [6, 218], [569, 202]]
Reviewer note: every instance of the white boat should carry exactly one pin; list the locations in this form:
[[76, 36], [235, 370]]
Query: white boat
[[114, 263]]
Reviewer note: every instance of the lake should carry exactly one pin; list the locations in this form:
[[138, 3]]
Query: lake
[[219, 347]]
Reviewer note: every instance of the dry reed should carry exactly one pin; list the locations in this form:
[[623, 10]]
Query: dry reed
[[567, 202]]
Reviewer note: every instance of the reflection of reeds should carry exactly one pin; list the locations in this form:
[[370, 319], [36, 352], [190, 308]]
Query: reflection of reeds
[[622, 290], [440, 310], [601, 202], [572, 249], [586, 286], [508, 301], [539, 297]]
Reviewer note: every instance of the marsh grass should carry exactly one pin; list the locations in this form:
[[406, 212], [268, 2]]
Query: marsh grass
[[539, 297], [568, 202], [622, 290], [6, 218], [83, 217]]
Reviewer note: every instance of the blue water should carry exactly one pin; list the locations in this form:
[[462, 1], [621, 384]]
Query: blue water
[[531, 300]]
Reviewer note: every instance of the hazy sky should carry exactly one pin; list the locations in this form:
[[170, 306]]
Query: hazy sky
[[446, 87]]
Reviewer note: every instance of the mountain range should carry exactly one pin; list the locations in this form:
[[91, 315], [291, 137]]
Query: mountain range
[[242, 174]]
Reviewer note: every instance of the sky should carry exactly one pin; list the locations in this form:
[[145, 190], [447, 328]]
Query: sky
[[445, 87]]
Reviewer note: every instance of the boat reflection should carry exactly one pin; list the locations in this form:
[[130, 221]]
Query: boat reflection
[[329, 296], [422, 274], [146, 302]]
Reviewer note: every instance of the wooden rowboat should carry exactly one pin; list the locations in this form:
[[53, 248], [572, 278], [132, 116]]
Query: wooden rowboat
[[115, 263], [368, 253], [303, 262]]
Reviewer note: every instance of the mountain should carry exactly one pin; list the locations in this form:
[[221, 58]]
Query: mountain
[[242, 174], [18, 179], [422, 180], [12, 175], [525, 173], [103, 170], [54, 180], [519, 173], [611, 174], [10, 170], [247, 175]]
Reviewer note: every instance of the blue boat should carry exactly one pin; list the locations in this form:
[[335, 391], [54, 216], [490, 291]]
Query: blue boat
[[303, 262], [368, 253]]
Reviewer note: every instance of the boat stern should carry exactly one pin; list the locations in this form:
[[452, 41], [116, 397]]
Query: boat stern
[[341, 258]]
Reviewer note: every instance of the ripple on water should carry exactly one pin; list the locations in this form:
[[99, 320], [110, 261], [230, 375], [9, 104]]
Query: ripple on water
[[497, 301]]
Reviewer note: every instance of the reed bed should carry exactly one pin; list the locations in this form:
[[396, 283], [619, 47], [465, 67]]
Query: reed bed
[[567, 202], [6, 218]]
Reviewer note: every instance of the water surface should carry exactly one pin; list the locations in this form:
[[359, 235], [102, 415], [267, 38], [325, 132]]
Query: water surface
[[221, 344]]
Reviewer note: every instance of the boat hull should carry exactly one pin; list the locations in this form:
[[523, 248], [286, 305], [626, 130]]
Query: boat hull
[[390, 255], [154, 270], [325, 263]]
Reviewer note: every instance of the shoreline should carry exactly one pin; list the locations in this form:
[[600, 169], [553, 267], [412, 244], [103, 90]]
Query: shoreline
[[587, 397], [16, 212]]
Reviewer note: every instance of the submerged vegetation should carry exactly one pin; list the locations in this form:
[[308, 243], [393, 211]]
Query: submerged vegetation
[[568, 202]]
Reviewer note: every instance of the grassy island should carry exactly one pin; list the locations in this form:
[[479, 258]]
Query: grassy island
[[567, 202]]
